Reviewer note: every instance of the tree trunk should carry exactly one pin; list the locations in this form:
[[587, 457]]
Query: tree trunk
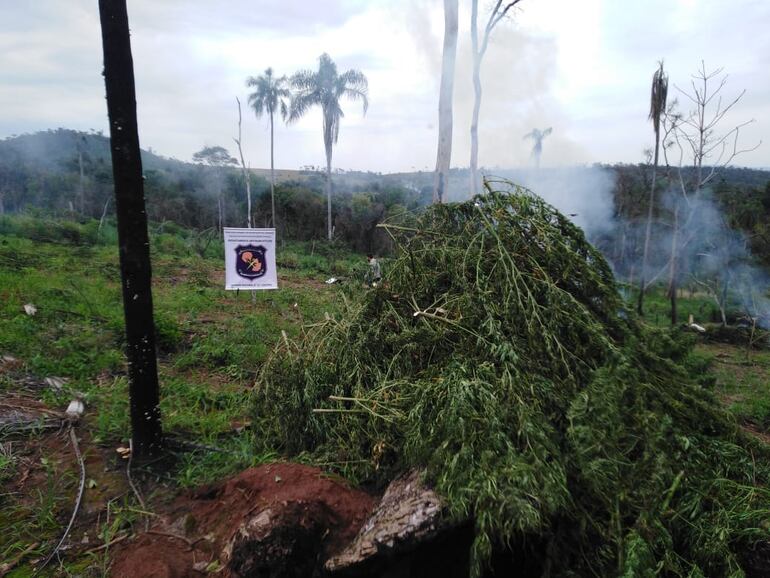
[[134, 241], [444, 155], [82, 188], [648, 230], [722, 301], [104, 215], [246, 175], [220, 218], [474, 164], [328, 143], [329, 227], [272, 174], [672, 282]]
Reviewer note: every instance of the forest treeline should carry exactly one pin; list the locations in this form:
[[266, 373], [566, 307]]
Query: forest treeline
[[68, 173]]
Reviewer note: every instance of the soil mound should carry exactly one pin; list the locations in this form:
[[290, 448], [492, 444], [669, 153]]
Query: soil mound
[[273, 520]]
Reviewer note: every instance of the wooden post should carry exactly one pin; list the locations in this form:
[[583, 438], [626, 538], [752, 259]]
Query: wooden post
[[132, 228]]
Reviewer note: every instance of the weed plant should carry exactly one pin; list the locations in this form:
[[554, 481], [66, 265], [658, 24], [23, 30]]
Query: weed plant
[[499, 355]]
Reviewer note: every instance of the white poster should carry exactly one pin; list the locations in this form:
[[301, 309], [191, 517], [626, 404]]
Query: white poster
[[250, 259]]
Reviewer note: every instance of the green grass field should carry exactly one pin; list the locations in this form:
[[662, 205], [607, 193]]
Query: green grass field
[[211, 344]]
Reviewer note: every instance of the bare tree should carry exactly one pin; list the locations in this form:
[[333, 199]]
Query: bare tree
[[496, 14], [658, 97], [444, 156], [538, 136], [696, 135], [719, 263], [246, 175], [134, 244]]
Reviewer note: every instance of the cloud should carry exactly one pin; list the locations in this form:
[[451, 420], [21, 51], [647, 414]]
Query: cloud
[[583, 68]]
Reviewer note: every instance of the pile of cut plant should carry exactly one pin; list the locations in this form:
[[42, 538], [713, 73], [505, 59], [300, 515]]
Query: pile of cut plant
[[499, 356]]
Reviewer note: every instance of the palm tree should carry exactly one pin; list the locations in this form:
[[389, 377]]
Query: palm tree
[[658, 96], [269, 97], [324, 88], [538, 136]]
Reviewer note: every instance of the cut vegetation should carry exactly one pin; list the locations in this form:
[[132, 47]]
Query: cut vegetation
[[499, 355]]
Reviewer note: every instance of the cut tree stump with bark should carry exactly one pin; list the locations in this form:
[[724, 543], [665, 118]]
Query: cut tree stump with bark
[[410, 516]]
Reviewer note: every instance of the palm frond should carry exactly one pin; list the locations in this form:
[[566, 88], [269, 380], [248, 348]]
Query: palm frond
[[300, 104], [356, 95], [270, 93], [658, 96]]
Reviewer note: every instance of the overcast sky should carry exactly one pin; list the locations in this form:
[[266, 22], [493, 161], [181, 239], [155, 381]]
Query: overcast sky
[[581, 67]]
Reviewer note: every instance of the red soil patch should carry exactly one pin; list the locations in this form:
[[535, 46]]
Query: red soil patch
[[202, 524]]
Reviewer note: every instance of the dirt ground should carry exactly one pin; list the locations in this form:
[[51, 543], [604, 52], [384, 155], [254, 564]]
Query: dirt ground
[[188, 534], [199, 533]]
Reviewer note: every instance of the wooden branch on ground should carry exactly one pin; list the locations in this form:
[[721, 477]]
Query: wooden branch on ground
[[81, 489], [6, 567]]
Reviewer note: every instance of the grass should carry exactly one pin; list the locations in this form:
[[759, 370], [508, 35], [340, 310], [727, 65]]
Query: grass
[[742, 382], [740, 376], [7, 461], [35, 519], [657, 306], [211, 344]]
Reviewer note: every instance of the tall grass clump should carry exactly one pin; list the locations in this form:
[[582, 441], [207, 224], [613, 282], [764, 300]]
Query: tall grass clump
[[499, 356]]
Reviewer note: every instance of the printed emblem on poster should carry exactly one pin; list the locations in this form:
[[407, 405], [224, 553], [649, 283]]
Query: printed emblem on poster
[[250, 261]]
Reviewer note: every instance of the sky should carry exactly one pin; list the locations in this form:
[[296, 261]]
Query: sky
[[583, 68]]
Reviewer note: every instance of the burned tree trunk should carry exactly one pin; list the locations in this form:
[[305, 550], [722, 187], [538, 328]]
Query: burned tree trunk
[[132, 227]]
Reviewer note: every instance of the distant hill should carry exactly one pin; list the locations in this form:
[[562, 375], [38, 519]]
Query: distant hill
[[57, 149], [66, 172]]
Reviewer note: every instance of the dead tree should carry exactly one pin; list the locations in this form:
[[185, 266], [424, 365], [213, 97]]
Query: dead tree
[[132, 228], [658, 96], [497, 13], [246, 175], [697, 135], [444, 156], [537, 136]]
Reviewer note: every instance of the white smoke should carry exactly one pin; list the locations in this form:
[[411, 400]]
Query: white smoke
[[584, 194]]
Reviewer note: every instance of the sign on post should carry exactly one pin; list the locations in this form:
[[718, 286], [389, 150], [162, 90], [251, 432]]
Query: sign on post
[[250, 259]]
